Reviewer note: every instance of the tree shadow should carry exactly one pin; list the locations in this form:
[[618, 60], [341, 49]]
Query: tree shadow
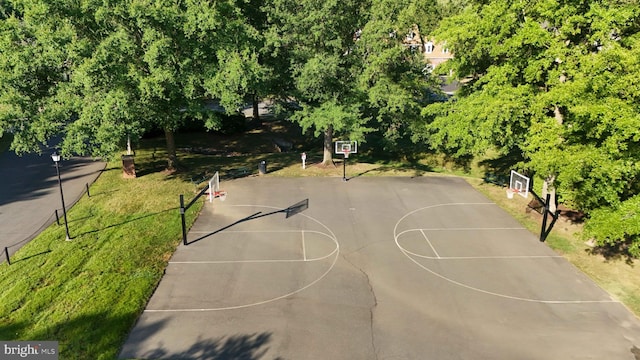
[[497, 169], [124, 222], [33, 176], [417, 169], [101, 335], [619, 251], [87, 336], [234, 347]]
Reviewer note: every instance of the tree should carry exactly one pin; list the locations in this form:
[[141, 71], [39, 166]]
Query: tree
[[347, 74], [115, 69], [316, 37], [556, 83], [392, 71], [31, 74]]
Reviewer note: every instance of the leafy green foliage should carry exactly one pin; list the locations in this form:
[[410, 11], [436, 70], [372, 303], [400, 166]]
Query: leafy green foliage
[[98, 73], [392, 75], [557, 82], [617, 227]]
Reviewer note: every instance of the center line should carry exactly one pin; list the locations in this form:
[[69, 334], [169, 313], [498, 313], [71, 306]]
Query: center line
[[429, 242]]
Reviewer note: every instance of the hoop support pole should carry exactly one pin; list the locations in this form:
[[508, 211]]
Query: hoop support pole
[[184, 222], [543, 230], [344, 166]]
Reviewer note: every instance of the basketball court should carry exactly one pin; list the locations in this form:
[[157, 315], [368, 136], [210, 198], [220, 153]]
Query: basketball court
[[372, 268]]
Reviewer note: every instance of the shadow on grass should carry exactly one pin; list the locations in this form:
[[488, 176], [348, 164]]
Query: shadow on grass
[[498, 169], [196, 168], [79, 336], [615, 252], [417, 169], [125, 222], [101, 335], [14, 261]]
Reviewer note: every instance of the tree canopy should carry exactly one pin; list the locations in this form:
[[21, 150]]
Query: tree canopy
[[551, 85], [315, 38], [556, 84], [97, 73]]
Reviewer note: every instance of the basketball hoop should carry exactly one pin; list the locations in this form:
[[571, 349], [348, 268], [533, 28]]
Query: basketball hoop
[[518, 184], [345, 148], [511, 192], [222, 195]]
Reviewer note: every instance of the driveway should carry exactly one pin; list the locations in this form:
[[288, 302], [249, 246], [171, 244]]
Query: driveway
[[29, 194]]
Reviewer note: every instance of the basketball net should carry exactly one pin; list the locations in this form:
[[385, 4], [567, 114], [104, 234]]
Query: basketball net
[[222, 195]]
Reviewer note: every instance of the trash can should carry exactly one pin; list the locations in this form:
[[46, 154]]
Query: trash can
[[262, 167]]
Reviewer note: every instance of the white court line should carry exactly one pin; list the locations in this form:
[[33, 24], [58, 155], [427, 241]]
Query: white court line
[[458, 283], [540, 301], [252, 231], [474, 229], [505, 257], [429, 242], [335, 253], [266, 261], [304, 249], [241, 261], [438, 257], [422, 230]]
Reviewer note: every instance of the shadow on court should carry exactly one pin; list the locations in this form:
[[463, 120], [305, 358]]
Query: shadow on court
[[244, 346], [379, 268], [289, 211]]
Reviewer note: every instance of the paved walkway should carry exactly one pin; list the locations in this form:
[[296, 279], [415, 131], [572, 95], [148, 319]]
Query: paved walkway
[[374, 268], [29, 194]]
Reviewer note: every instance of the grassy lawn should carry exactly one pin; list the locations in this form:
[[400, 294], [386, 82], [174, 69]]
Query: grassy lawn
[[87, 293]]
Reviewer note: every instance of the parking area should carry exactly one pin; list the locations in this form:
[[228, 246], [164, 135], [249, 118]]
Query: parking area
[[374, 268]]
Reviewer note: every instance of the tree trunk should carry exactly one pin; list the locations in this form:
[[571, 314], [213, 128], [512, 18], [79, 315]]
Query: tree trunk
[[557, 114], [327, 158], [549, 188], [256, 108], [423, 47], [172, 157]]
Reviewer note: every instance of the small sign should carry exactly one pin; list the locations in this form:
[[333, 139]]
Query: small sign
[[30, 350], [304, 156]]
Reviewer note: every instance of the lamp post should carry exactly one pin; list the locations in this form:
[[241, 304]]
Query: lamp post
[[56, 159]]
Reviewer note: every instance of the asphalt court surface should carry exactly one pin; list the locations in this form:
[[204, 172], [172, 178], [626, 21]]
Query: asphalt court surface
[[374, 268]]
